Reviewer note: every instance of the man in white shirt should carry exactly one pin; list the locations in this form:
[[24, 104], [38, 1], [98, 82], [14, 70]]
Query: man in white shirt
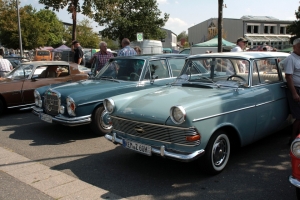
[[240, 45], [292, 74], [5, 66]]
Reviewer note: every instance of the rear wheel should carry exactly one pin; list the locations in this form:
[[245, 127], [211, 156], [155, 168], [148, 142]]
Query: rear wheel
[[217, 153], [100, 122], [1, 107]]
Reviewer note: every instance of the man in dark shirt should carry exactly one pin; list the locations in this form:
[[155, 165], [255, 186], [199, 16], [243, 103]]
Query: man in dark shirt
[[78, 53]]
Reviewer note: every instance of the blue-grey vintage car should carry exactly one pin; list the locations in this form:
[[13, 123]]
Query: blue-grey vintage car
[[240, 99], [80, 102]]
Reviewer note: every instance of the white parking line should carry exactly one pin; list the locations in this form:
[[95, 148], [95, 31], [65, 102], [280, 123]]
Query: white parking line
[[51, 182]]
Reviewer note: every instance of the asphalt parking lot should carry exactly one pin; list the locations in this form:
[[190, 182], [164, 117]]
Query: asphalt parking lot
[[257, 171]]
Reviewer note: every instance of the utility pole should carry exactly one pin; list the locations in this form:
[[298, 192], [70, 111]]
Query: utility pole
[[220, 25], [19, 27]]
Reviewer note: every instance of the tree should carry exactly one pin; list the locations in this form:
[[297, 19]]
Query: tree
[[86, 36], [123, 19], [55, 27], [182, 35], [38, 28], [294, 28]]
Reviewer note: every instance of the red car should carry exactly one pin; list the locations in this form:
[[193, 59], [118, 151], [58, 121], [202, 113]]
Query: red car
[[295, 159]]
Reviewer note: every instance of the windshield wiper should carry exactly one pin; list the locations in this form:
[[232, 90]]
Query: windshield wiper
[[109, 78]]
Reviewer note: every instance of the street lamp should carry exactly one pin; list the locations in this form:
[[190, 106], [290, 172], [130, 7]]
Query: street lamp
[[19, 27], [220, 25]]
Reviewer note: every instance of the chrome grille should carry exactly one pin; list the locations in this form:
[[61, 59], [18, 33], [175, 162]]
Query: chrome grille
[[162, 133], [51, 102]]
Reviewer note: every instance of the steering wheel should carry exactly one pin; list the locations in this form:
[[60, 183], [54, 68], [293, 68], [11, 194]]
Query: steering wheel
[[134, 76], [237, 76]]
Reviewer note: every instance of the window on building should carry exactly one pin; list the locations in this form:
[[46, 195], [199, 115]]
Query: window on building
[[255, 29], [282, 30], [249, 29], [272, 29], [266, 29]]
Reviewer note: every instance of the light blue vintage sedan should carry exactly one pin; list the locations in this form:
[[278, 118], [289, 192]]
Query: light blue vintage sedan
[[240, 99], [79, 103]]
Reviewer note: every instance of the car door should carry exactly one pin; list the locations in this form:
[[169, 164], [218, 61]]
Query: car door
[[271, 103], [38, 81]]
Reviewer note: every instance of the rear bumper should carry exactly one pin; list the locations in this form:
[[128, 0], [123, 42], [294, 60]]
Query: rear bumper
[[162, 151], [67, 121]]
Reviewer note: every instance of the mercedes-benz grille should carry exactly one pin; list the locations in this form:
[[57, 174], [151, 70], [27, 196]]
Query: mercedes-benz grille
[[52, 102]]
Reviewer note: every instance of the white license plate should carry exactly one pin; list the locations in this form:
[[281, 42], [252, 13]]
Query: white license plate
[[141, 148], [46, 118]]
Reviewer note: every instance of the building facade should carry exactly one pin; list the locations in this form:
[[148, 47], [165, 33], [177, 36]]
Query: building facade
[[171, 40], [259, 30]]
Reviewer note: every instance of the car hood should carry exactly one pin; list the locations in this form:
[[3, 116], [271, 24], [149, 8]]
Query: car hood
[[155, 106], [92, 90]]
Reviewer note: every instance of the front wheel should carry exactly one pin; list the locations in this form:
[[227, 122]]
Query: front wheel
[[100, 122], [217, 153]]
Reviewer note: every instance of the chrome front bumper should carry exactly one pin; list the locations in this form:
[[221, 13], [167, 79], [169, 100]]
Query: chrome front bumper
[[60, 119], [162, 150], [294, 181]]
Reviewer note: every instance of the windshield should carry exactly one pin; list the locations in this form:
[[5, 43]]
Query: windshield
[[21, 72], [122, 69], [216, 71]]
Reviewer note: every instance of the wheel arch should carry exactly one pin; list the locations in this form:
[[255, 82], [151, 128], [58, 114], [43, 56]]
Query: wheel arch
[[232, 134]]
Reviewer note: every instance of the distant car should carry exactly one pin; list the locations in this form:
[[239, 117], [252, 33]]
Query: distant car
[[81, 103], [185, 51], [219, 101], [17, 87], [295, 161]]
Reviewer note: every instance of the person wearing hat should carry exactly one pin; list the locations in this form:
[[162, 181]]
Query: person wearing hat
[[78, 53], [292, 75], [240, 45]]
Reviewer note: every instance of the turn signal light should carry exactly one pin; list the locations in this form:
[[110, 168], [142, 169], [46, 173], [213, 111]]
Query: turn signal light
[[193, 138]]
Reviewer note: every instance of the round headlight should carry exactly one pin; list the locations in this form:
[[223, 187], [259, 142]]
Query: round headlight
[[177, 114], [71, 106], [109, 105], [37, 98], [295, 147]]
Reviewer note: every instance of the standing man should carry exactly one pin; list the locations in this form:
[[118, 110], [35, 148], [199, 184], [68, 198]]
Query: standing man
[[78, 53], [5, 66], [240, 45], [102, 56], [292, 76], [127, 50]]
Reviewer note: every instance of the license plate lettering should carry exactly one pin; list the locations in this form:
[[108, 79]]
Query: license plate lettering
[[141, 148]]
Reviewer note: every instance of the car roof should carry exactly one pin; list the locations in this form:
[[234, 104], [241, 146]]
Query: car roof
[[36, 63], [151, 56], [244, 55]]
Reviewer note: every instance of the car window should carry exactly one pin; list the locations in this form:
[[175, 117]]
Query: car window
[[122, 69], [21, 72], [159, 69], [176, 65], [265, 71]]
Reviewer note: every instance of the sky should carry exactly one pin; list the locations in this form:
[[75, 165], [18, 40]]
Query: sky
[[187, 13]]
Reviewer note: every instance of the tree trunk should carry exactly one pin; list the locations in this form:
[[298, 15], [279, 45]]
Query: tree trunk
[[74, 17]]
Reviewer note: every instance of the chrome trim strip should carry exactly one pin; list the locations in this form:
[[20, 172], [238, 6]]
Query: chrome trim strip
[[294, 181], [21, 105], [224, 113], [90, 102], [162, 151], [72, 119]]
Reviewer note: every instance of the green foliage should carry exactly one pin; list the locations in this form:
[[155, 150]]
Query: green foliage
[[38, 29], [294, 28], [85, 35], [123, 19]]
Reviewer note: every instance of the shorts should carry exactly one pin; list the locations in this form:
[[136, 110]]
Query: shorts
[[294, 106]]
